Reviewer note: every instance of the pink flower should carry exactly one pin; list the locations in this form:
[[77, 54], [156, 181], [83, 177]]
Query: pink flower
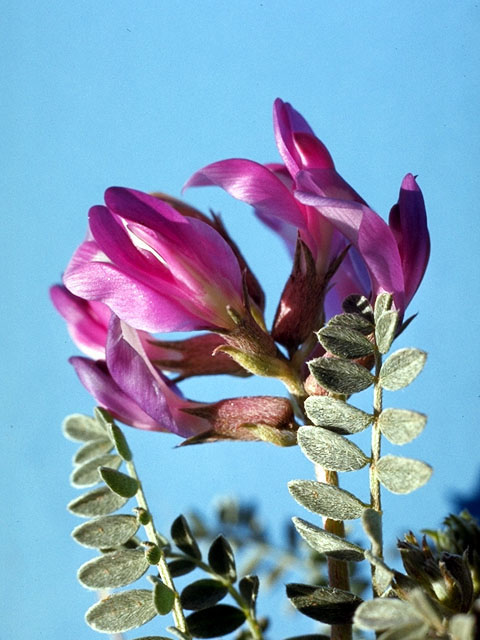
[[302, 195], [154, 268], [130, 386]]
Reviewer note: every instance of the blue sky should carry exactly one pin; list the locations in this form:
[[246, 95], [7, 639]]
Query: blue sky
[[143, 94]]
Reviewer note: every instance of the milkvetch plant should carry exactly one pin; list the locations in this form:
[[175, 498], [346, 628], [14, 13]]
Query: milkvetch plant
[[153, 264]]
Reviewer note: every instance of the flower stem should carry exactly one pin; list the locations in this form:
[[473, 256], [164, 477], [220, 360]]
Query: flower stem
[[162, 565], [375, 496], [338, 577]]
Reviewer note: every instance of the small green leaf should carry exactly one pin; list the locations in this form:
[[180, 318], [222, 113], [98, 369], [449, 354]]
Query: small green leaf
[[119, 482], [109, 531], [383, 303], [382, 613], [340, 376], [336, 415], [328, 543], [221, 559], [163, 598], [352, 321], [202, 594], [98, 502], [87, 474], [400, 426], [183, 538], [385, 330], [344, 342], [153, 554], [325, 604], [402, 475], [326, 500], [330, 450], [82, 428], [248, 587], [401, 368], [215, 621], [122, 611], [92, 450], [358, 304], [181, 567], [120, 442], [113, 570]]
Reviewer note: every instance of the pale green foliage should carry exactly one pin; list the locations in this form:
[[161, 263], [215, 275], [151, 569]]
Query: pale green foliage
[[122, 611]]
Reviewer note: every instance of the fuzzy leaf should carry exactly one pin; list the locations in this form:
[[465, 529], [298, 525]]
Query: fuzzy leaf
[[382, 613], [87, 474], [462, 626], [92, 450], [383, 303], [401, 368], [383, 575], [248, 587], [355, 303], [120, 441], [325, 604], [109, 531], [330, 450], [328, 543], [385, 330], [402, 475], [98, 502], [122, 611], [417, 630], [202, 594], [178, 633], [183, 538], [336, 415], [340, 376], [215, 621], [163, 598], [400, 426], [113, 570], [344, 342], [326, 500], [221, 559], [119, 482], [82, 428], [352, 321]]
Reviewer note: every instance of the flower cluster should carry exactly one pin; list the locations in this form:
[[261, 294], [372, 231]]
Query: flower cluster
[[152, 264]]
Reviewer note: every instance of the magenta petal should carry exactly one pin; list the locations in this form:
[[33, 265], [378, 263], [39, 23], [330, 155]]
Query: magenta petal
[[97, 280], [136, 378], [371, 236], [252, 183], [87, 321], [296, 141], [408, 221], [96, 379]]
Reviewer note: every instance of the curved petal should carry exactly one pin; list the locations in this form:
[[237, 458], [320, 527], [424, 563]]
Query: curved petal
[[136, 376], [371, 236], [87, 322], [254, 184], [96, 379], [296, 141], [103, 281], [408, 221]]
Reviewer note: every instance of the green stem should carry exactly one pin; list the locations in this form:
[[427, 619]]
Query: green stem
[[375, 495], [162, 565]]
